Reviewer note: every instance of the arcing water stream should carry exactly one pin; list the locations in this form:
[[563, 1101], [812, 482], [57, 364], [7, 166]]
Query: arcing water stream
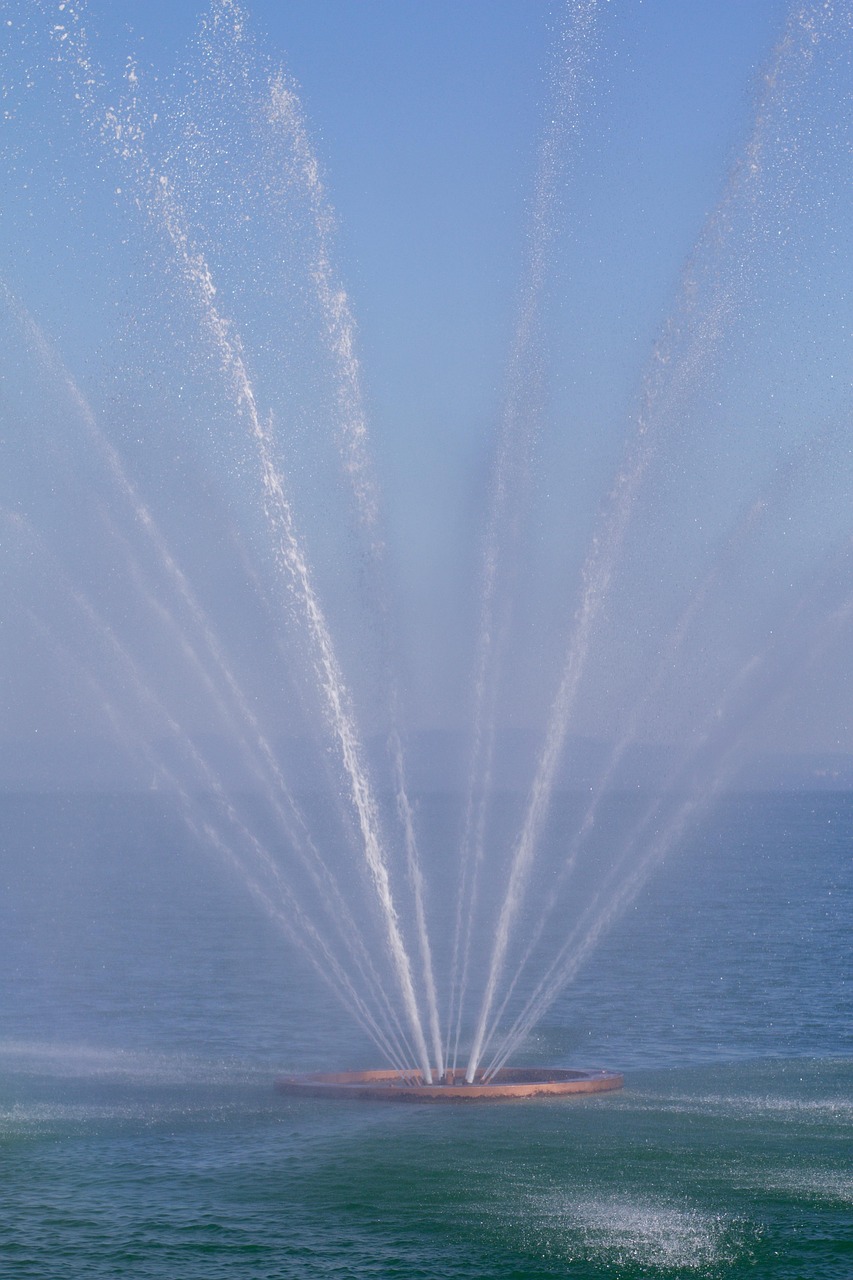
[[220, 185]]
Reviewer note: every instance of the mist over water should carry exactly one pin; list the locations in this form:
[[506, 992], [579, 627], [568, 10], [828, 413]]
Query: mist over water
[[213, 663]]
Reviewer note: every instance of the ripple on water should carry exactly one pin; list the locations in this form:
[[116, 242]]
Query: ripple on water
[[828, 1186], [45, 1119], [80, 1061], [746, 1106]]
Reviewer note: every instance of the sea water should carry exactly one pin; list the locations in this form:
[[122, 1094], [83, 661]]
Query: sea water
[[146, 1009]]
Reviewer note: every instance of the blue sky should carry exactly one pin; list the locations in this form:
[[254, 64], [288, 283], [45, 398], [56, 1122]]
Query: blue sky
[[426, 119]]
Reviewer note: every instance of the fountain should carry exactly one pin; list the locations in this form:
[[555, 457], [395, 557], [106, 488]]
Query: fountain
[[204, 560], [507, 1085]]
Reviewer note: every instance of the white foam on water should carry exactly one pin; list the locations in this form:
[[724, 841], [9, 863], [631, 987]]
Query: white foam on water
[[618, 1231]]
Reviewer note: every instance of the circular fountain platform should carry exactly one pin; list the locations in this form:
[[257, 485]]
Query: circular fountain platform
[[503, 1086]]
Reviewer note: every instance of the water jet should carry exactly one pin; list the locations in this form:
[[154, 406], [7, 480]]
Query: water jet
[[230, 630]]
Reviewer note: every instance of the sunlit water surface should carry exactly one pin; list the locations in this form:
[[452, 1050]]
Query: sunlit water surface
[[146, 1009]]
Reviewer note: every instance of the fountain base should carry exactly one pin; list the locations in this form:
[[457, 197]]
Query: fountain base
[[505, 1085]]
